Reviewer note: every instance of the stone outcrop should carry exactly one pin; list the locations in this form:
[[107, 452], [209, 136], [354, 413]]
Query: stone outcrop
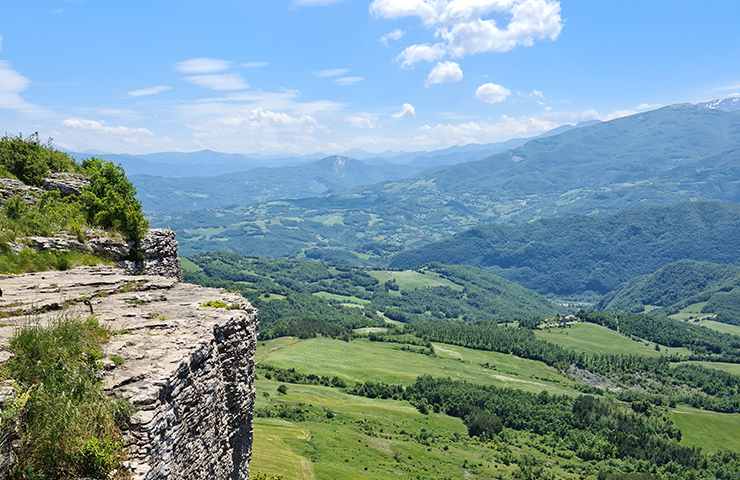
[[156, 254], [187, 368], [10, 187], [66, 183]]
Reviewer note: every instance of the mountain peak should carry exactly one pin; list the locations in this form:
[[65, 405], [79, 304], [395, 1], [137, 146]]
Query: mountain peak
[[729, 104]]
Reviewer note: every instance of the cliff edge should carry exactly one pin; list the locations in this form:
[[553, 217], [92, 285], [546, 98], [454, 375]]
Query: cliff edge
[[183, 355]]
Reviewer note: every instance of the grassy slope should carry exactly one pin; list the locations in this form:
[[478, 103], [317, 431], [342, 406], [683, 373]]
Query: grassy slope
[[709, 430], [590, 338], [733, 368], [411, 280], [362, 360], [721, 327]]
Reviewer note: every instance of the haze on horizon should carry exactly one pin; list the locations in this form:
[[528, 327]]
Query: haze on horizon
[[329, 76]]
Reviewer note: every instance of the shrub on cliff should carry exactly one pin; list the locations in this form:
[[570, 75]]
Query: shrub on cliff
[[68, 427], [110, 199], [28, 160]]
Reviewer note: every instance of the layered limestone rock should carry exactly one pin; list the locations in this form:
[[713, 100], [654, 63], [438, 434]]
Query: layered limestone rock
[[156, 253], [66, 183], [10, 187], [188, 369]]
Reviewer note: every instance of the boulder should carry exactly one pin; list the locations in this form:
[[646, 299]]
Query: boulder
[[66, 183], [10, 187]]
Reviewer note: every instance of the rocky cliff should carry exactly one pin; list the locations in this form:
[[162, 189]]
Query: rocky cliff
[[183, 355]]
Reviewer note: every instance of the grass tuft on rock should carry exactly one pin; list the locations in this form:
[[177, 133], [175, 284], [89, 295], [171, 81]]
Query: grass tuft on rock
[[67, 426]]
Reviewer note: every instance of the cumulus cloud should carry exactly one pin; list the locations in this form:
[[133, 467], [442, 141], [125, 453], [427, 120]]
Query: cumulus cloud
[[447, 134], [102, 128], [444, 72], [332, 72], [202, 65], [414, 54], [149, 91], [392, 36], [219, 82], [12, 85], [468, 27], [407, 110], [492, 93]]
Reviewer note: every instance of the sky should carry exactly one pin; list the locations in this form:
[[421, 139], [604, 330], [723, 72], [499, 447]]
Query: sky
[[332, 76]]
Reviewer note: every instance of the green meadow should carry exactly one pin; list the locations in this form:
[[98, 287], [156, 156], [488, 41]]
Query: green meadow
[[590, 338], [708, 430]]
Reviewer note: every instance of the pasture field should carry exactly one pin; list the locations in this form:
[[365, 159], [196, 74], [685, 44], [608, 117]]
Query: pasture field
[[372, 439], [733, 368], [709, 430], [362, 360], [591, 338], [721, 327], [411, 280]]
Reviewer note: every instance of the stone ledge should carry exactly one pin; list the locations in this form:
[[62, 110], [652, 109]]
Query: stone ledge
[[188, 370]]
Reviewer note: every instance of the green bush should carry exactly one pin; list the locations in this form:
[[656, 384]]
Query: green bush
[[29, 260], [110, 200], [70, 427], [30, 161]]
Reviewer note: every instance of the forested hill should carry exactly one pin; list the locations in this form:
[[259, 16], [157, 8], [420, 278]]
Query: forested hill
[[680, 284], [569, 255]]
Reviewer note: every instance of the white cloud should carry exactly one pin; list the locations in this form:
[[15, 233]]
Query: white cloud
[[219, 82], [12, 85], [465, 28], [407, 110], [314, 3], [726, 88], [102, 128], [332, 72], [392, 36], [448, 134], [420, 53], [148, 91], [351, 80], [202, 65], [255, 64], [362, 120], [444, 72], [492, 93]]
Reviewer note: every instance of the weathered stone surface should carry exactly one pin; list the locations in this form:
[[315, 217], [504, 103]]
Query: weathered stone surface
[[10, 187], [66, 183], [157, 250], [188, 370]]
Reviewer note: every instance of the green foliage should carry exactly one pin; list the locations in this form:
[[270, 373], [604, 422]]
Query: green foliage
[[110, 200], [673, 333], [29, 161], [28, 260], [50, 215], [315, 298], [69, 427], [483, 424], [572, 255], [680, 284]]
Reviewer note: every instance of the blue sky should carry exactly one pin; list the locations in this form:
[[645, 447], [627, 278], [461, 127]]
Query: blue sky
[[304, 76]]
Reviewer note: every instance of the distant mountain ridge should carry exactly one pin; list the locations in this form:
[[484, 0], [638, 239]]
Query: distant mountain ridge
[[661, 157]]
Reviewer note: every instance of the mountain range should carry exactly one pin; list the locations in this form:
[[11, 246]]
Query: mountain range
[[671, 155]]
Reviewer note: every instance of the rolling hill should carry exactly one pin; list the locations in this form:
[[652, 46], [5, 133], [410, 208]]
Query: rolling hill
[[666, 156], [708, 289], [577, 254]]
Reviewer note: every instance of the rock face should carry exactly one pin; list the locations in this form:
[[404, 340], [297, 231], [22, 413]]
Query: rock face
[[66, 183], [10, 187], [157, 251], [187, 369]]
